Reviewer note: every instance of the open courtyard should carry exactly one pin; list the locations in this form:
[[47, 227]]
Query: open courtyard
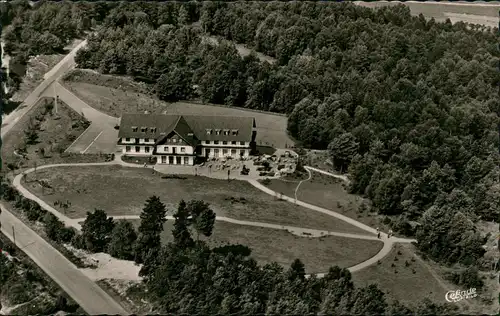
[[123, 191]]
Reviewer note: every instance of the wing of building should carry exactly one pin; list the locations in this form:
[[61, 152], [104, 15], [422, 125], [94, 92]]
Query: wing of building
[[181, 139]]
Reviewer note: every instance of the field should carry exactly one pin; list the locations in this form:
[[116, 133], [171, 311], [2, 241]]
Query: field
[[55, 134], [408, 283], [117, 95], [123, 191], [476, 12], [268, 245]]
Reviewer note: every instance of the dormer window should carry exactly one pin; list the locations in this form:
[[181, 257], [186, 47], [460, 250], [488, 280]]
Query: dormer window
[[190, 134], [174, 140], [153, 129], [209, 132], [226, 132], [134, 129], [144, 129], [217, 132], [235, 132]]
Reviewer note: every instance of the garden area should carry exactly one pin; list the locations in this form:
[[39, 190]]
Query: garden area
[[122, 191]]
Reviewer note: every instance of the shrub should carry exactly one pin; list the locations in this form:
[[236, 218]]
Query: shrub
[[266, 181], [66, 234], [19, 291]]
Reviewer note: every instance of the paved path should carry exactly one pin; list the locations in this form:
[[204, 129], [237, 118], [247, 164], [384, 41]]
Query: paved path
[[388, 242], [100, 136], [83, 290]]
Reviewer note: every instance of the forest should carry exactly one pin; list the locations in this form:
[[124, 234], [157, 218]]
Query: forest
[[406, 106]]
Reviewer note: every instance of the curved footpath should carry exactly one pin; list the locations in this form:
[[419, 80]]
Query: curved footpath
[[388, 242]]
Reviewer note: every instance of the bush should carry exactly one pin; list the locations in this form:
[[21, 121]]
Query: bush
[[66, 234], [266, 181], [53, 226], [19, 291]]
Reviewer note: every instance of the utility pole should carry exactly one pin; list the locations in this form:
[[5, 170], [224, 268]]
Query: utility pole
[[55, 96]]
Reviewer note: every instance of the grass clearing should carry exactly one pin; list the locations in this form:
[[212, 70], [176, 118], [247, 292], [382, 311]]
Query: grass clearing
[[407, 279], [268, 245], [117, 95], [56, 132], [436, 10], [123, 191], [329, 192]]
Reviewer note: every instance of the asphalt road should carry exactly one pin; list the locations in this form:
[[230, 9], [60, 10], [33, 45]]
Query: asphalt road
[[84, 291], [67, 63]]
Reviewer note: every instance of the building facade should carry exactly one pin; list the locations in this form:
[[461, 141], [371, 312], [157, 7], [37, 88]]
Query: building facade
[[181, 139]]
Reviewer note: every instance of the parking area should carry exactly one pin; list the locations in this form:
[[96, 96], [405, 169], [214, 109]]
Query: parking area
[[96, 139]]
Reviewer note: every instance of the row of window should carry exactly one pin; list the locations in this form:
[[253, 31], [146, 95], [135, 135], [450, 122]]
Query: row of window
[[137, 149], [226, 132], [224, 151], [144, 129], [216, 142], [146, 140], [207, 142], [165, 149], [177, 160]]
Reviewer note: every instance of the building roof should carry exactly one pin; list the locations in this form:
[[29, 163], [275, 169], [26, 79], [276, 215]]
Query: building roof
[[237, 128]]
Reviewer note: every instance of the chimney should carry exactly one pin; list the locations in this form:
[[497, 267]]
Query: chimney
[[146, 112]]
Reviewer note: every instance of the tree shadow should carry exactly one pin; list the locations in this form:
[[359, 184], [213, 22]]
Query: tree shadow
[[236, 250]]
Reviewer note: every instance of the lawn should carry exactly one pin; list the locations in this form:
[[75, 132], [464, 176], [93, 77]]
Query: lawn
[[329, 192], [123, 191], [56, 132], [117, 95], [404, 277], [268, 245]]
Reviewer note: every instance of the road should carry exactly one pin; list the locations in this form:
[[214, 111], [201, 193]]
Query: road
[[67, 63], [84, 291]]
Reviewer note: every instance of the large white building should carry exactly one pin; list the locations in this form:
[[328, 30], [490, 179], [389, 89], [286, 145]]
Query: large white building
[[180, 139]]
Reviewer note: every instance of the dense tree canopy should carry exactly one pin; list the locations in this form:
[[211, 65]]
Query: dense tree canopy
[[406, 105]]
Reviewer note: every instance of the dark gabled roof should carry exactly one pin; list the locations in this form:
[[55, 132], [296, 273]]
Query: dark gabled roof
[[185, 124], [182, 129]]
